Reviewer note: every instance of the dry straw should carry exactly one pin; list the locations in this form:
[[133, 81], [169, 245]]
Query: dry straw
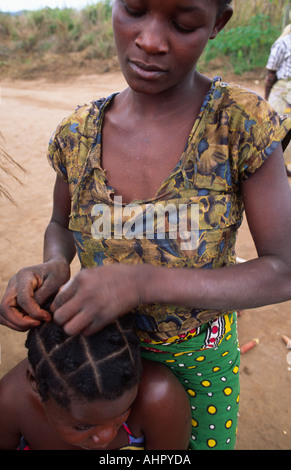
[[7, 167], [276, 10]]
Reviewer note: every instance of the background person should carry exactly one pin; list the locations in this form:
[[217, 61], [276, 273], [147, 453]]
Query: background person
[[278, 79]]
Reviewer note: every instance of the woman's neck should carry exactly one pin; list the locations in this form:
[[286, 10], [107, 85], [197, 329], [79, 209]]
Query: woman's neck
[[187, 95]]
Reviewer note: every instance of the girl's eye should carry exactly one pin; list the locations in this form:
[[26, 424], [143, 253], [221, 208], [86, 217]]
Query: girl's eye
[[85, 427]]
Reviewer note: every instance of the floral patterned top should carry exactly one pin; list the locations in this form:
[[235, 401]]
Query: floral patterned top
[[234, 133]]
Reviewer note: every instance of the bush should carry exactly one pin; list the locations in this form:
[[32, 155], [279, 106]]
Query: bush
[[59, 30], [246, 46]]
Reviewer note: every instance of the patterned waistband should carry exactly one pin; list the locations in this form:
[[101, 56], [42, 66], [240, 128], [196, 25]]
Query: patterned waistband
[[208, 335]]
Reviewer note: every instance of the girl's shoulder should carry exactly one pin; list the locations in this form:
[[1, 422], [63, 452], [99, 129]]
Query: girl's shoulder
[[12, 382], [160, 386], [14, 394], [155, 409]]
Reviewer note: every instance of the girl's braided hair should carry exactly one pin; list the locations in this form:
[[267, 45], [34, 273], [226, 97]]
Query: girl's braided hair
[[101, 366]]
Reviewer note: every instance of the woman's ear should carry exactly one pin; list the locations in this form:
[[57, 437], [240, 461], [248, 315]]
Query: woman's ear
[[31, 379], [221, 21]]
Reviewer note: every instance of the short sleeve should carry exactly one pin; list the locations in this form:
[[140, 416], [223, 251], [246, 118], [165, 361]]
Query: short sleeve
[[257, 130], [276, 56], [56, 155], [70, 143]]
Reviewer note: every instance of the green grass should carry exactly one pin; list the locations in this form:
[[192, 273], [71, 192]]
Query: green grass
[[247, 46]]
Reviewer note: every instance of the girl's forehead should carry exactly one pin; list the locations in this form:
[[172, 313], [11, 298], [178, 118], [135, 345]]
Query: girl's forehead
[[82, 411], [101, 409]]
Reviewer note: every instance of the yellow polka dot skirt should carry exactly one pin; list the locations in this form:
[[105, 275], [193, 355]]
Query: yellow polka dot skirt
[[210, 376]]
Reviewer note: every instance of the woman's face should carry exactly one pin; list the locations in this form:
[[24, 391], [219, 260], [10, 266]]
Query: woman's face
[[159, 42], [90, 425]]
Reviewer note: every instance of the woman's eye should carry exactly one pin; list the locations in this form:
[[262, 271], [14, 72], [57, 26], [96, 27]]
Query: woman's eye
[[184, 29], [131, 12]]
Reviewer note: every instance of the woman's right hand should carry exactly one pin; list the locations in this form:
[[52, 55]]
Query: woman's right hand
[[28, 290]]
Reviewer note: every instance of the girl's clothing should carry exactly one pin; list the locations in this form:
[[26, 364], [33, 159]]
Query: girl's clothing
[[134, 443], [23, 445], [234, 133]]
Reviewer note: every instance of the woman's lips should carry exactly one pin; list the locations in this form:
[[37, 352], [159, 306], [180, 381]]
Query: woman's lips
[[147, 71]]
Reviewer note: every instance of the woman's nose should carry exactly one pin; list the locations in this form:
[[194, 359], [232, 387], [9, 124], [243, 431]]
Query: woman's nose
[[152, 39]]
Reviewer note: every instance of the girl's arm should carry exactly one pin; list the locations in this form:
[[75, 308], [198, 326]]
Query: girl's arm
[[32, 286], [264, 280]]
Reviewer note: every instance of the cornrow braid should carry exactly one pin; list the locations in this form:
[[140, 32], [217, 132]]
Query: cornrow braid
[[103, 365]]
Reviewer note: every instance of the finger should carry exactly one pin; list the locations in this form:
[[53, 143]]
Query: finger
[[11, 314], [47, 291], [35, 312], [44, 296], [78, 324], [66, 312], [87, 324], [27, 302], [93, 328], [18, 321], [65, 293]]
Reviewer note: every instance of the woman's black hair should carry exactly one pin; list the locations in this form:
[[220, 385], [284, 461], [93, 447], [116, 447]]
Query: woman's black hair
[[223, 4], [101, 366]]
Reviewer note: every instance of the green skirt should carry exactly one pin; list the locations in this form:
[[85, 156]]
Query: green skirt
[[207, 365]]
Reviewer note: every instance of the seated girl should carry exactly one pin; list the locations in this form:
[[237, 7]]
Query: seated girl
[[92, 392]]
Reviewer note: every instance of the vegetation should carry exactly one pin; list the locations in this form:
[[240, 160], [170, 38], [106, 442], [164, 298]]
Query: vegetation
[[49, 38], [247, 46], [52, 38], [247, 40]]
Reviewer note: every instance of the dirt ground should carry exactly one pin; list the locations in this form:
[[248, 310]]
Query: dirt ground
[[29, 113]]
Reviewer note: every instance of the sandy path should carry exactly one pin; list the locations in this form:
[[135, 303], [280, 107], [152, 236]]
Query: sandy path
[[29, 113]]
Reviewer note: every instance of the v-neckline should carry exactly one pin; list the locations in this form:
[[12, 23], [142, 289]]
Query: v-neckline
[[183, 158]]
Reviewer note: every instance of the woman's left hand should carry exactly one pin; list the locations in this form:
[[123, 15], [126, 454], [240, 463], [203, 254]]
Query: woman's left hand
[[95, 297]]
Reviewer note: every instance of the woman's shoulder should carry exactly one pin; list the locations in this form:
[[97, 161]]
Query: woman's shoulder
[[245, 108], [238, 97], [80, 117]]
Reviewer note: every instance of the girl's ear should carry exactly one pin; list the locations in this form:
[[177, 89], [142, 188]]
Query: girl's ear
[[31, 379], [221, 21]]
